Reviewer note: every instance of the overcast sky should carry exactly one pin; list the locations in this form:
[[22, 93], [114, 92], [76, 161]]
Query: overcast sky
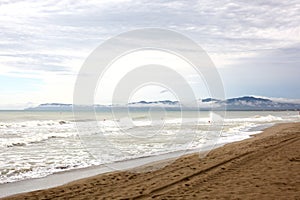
[[255, 45]]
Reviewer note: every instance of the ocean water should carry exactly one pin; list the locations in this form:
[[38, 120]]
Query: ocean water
[[35, 144]]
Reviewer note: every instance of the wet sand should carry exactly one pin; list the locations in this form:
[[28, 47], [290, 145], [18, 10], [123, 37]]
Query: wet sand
[[266, 166]]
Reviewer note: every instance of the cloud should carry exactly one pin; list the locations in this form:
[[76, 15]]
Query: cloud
[[273, 73], [164, 91], [54, 37], [218, 26]]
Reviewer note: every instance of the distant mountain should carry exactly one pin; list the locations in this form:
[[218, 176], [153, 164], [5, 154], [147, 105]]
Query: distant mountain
[[165, 102], [52, 106], [61, 107], [210, 100], [240, 103], [248, 99], [255, 103]]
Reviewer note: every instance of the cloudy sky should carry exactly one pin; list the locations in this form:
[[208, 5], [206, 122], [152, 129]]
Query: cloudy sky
[[255, 45]]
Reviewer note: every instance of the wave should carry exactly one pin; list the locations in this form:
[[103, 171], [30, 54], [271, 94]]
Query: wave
[[35, 123], [37, 138], [256, 118], [19, 134]]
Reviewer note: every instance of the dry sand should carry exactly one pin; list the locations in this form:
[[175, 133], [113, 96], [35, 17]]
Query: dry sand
[[266, 166]]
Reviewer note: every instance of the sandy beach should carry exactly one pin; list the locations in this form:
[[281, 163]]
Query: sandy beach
[[266, 166]]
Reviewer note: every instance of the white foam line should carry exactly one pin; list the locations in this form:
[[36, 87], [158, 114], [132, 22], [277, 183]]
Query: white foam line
[[61, 178]]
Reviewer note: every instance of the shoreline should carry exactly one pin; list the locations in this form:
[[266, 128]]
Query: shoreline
[[89, 174], [65, 177]]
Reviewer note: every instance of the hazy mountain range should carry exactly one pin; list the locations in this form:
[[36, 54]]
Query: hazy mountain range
[[239, 103]]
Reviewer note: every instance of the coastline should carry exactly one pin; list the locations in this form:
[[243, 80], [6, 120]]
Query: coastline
[[180, 175], [65, 177]]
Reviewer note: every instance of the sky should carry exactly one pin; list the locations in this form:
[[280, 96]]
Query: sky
[[255, 45]]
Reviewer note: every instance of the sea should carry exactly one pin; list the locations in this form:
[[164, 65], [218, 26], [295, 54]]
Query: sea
[[35, 144]]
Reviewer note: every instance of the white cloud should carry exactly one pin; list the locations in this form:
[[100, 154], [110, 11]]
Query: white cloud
[[42, 39]]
